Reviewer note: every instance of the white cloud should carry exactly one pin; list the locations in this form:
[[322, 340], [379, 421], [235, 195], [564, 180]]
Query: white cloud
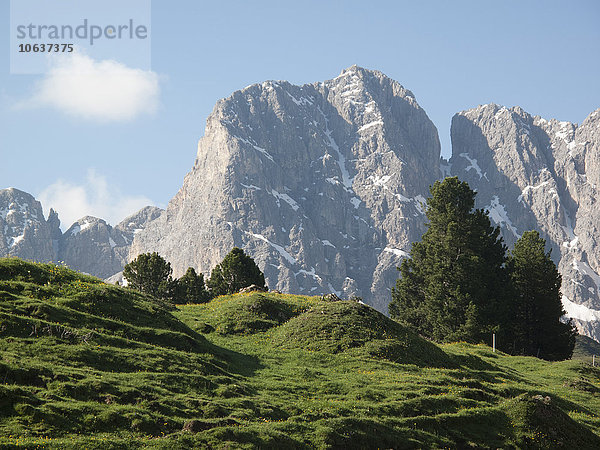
[[94, 198], [105, 91]]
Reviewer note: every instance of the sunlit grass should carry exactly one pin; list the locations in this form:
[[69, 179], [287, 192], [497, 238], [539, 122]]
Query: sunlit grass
[[88, 365]]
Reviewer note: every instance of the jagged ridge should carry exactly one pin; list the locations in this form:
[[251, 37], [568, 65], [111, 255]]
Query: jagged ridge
[[90, 245]]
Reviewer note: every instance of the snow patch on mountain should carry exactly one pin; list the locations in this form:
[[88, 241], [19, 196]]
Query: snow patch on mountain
[[530, 188], [585, 269], [580, 312], [370, 124], [251, 187], [497, 212], [396, 251], [311, 273], [341, 159], [282, 251], [286, 198], [255, 147], [473, 165]]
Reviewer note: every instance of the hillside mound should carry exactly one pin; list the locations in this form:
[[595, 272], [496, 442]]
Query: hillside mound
[[42, 298], [348, 326], [252, 312], [539, 423]]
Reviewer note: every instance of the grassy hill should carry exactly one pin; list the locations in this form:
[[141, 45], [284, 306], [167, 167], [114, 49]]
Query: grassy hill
[[85, 364]]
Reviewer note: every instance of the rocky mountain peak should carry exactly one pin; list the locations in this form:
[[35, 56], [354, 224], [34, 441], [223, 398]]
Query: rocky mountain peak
[[356, 85], [136, 222], [23, 229], [93, 246], [54, 224], [84, 224], [322, 183]]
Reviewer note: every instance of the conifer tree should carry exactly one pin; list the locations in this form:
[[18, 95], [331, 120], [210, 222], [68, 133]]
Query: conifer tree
[[236, 271], [191, 289], [451, 287], [537, 308], [151, 274]]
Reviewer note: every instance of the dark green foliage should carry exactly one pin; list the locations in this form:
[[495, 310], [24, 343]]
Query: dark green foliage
[[151, 274], [190, 288], [536, 307], [451, 288], [236, 271]]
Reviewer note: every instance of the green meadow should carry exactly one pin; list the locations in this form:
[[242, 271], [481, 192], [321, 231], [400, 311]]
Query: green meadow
[[84, 364]]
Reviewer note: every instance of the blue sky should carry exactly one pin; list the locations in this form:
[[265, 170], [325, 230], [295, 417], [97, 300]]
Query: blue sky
[[541, 55]]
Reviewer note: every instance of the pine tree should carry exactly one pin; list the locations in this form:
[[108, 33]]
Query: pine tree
[[451, 287], [191, 289], [151, 274], [537, 307], [236, 271]]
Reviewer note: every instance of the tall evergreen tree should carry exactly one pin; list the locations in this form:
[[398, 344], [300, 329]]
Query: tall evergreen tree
[[236, 271], [191, 289], [537, 308], [151, 274], [451, 287]]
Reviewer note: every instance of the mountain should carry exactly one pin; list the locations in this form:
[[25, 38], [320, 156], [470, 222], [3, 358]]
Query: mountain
[[90, 245], [533, 173], [323, 184], [24, 232]]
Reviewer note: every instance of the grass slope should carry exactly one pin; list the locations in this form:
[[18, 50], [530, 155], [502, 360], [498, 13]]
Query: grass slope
[[88, 364], [359, 330], [585, 348]]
